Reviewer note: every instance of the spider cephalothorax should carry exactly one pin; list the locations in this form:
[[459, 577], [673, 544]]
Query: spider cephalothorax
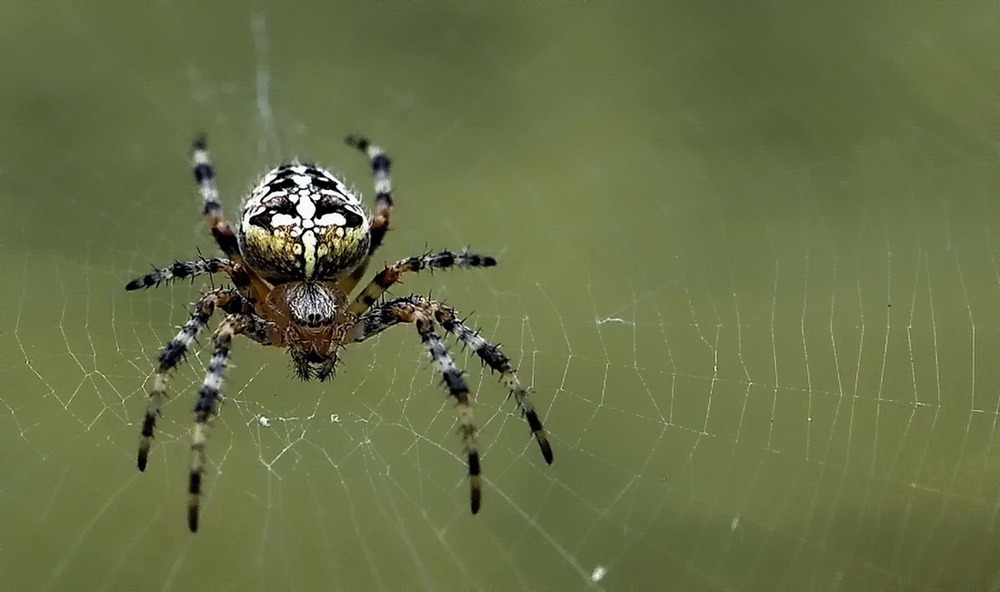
[[311, 318], [303, 245]]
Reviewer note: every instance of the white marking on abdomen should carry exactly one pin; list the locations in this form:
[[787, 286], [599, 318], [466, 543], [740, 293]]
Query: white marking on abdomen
[[332, 219], [306, 208], [283, 220], [309, 243]]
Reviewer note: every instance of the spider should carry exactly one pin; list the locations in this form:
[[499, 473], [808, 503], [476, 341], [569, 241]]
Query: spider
[[303, 243]]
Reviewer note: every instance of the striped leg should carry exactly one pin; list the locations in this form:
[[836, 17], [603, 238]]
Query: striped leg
[[381, 163], [208, 396], [180, 270], [382, 317], [172, 354], [204, 175], [405, 310], [493, 356], [458, 389], [390, 275]]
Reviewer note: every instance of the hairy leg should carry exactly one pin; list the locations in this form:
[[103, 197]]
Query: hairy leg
[[204, 175], [180, 270], [493, 356], [173, 353], [380, 163], [391, 274], [209, 396], [382, 317], [401, 311]]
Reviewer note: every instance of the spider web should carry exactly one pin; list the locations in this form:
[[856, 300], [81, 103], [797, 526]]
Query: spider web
[[748, 261]]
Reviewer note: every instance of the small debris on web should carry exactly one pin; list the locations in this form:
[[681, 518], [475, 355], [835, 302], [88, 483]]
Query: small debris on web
[[598, 574], [613, 320]]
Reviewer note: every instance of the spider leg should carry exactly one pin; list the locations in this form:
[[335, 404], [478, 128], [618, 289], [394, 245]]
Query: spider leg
[[417, 312], [391, 274], [204, 175], [208, 397], [180, 270], [380, 318], [493, 356], [172, 354], [381, 163]]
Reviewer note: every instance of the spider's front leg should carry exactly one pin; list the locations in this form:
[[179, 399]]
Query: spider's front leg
[[173, 353]]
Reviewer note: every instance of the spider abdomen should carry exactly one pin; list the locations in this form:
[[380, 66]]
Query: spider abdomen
[[302, 223]]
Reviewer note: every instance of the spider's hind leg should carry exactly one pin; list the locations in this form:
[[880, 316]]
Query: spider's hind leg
[[172, 355], [459, 390], [420, 312], [380, 318], [493, 356], [210, 395]]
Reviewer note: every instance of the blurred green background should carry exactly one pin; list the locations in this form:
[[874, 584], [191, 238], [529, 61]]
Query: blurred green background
[[748, 260]]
